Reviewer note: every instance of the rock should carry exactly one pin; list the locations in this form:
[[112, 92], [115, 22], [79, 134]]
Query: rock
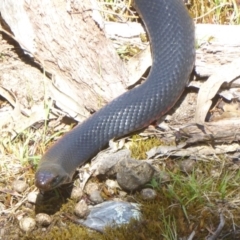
[[81, 209], [43, 219], [148, 194], [105, 164], [112, 214], [27, 224], [96, 197], [132, 174], [32, 197], [112, 184], [90, 187], [19, 186], [187, 165], [76, 193]]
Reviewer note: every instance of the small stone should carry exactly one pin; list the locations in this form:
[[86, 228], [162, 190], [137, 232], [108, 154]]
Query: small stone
[[133, 174], [107, 162], [81, 209], [76, 193], [27, 224], [91, 187], [187, 165], [32, 197], [20, 186], [96, 197], [43, 219], [112, 184], [148, 194]]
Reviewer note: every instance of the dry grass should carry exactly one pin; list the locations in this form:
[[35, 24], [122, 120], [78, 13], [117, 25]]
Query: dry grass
[[188, 203]]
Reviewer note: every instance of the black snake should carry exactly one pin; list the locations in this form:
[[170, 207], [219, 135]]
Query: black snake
[[171, 32]]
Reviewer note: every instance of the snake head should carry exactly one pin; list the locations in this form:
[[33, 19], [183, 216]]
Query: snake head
[[51, 176]]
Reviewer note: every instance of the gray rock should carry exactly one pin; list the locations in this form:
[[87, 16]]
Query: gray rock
[[91, 187], [96, 197], [81, 209], [112, 214], [148, 194], [187, 165], [132, 174], [106, 164]]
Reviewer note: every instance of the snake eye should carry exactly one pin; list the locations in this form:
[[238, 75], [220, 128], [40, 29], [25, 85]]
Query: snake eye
[[56, 181], [59, 180]]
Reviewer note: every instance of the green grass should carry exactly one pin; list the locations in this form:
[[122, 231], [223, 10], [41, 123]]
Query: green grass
[[187, 203]]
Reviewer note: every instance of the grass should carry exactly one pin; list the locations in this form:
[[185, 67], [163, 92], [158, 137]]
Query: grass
[[187, 203], [215, 11]]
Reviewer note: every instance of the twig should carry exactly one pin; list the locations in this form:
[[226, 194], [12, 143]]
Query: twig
[[219, 229], [191, 235]]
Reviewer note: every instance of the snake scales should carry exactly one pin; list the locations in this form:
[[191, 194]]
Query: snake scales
[[171, 33]]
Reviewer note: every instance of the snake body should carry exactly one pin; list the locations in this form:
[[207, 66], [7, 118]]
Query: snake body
[[171, 33]]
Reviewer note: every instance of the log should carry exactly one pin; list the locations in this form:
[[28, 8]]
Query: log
[[216, 45], [223, 131], [85, 69]]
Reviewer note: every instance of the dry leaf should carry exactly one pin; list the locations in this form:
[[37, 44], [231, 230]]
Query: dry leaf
[[210, 88]]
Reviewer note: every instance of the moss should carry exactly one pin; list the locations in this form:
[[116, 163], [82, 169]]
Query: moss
[[187, 203], [140, 146]]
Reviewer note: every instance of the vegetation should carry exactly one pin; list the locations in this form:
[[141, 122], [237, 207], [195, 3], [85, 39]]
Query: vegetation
[[188, 203]]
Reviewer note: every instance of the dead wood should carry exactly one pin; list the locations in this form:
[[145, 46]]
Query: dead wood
[[226, 131], [62, 35], [216, 45]]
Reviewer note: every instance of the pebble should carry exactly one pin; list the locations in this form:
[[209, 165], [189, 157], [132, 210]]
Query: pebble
[[27, 224], [133, 174], [43, 219], [81, 209], [19, 186], [32, 197], [76, 193], [96, 197], [112, 184], [148, 194], [187, 165], [91, 187]]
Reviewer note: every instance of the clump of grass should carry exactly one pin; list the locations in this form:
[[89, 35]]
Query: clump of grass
[[215, 11], [188, 202]]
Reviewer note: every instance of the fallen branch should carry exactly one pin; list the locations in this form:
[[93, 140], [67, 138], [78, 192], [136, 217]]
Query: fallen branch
[[219, 229]]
